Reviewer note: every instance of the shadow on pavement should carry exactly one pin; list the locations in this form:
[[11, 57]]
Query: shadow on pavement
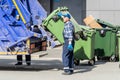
[[40, 65], [36, 65], [84, 67]]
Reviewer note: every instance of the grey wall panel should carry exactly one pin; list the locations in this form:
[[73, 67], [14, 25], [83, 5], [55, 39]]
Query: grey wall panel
[[93, 4], [117, 17], [103, 4], [96, 14], [107, 5], [108, 10], [46, 5], [107, 16], [117, 4]]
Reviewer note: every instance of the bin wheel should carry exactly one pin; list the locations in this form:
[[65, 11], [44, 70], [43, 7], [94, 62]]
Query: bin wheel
[[91, 62], [113, 58], [98, 58], [117, 58], [76, 62], [77, 36]]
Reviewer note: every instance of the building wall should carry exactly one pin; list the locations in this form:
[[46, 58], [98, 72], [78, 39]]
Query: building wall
[[46, 5], [108, 10]]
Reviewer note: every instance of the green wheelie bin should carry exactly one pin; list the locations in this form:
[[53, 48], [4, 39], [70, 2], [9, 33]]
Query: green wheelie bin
[[84, 48], [118, 46], [106, 41]]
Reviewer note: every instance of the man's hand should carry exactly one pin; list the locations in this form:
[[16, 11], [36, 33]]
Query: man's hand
[[70, 47]]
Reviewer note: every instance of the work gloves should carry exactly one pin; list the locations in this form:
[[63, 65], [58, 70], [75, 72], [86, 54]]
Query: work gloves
[[70, 47], [60, 14]]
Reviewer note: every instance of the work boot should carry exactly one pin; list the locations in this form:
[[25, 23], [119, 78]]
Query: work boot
[[28, 59], [71, 71], [67, 73], [19, 60], [28, 64], [18, 63]]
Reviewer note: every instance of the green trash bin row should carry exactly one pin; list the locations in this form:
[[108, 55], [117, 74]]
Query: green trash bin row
[[84, 48]]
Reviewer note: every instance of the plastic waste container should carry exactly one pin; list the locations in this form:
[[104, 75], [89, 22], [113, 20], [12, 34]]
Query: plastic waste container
[[118, 46], [105, 44], [84, 48], [106, 40]]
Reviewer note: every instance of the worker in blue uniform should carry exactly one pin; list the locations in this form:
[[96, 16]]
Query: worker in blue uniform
[[27, 57], [68, 47]]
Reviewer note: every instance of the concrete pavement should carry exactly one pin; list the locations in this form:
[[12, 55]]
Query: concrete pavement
[[49, 67]]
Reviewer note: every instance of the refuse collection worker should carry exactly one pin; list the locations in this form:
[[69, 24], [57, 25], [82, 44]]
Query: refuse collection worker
[[27, 57], [68, 47], [36, 29]]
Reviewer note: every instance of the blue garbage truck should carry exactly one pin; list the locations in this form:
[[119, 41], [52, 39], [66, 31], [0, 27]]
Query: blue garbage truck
[[16, 20]]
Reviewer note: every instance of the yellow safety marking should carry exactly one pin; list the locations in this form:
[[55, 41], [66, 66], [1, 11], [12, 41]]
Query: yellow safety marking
[[13, 53], [19, 11], [28, 43]]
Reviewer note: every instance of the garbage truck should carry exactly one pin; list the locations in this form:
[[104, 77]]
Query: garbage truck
[[16, 19]]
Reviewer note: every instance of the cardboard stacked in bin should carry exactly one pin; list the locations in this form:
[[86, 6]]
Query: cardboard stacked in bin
[[91, 22]]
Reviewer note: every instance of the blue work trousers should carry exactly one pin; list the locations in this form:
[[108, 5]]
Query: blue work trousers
[[67, 56]]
